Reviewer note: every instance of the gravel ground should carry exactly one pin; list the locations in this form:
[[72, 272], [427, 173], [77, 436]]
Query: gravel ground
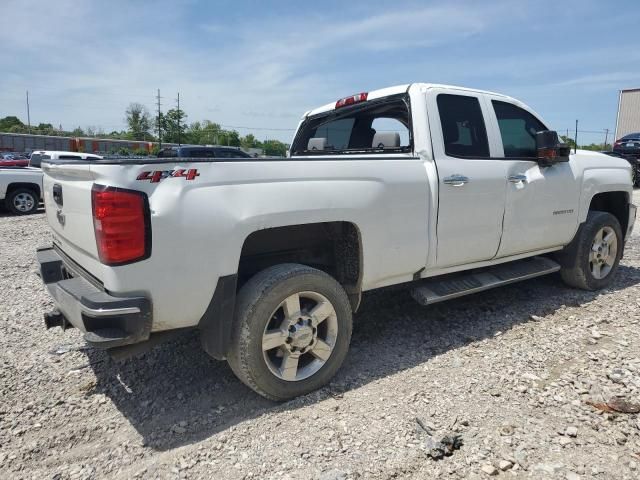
[[512, 371]]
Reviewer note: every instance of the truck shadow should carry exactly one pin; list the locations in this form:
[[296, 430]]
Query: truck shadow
[[176, 395]]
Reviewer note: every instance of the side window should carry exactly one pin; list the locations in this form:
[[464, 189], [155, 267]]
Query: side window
[[228, 153], [70, 157], [518, 129], [463, 129]]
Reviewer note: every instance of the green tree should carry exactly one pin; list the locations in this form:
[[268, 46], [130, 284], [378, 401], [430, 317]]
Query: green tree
[[139, 122], [173, 126], [7, 123], [249, 141], [569, 141], [274, 148]]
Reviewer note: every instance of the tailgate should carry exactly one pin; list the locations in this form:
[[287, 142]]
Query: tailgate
[[67, 199]]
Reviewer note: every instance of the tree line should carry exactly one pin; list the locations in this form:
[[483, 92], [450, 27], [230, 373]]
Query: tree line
[[169, 127]]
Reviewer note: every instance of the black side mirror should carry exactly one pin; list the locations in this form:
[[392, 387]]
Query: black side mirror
[[549, 149]]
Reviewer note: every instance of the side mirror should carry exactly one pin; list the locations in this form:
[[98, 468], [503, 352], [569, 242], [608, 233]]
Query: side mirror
[[549, 149]]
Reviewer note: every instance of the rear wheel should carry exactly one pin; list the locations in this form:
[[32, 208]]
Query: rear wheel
[[592, 258], [292, 331], [22, 201]]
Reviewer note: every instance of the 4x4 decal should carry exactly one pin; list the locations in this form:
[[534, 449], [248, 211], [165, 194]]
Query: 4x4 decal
[[158, 175]]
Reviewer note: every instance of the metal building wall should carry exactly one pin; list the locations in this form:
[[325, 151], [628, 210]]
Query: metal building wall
[[628, 112]]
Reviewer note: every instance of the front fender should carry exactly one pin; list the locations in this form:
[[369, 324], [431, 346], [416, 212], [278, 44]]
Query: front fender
[[602, 180]]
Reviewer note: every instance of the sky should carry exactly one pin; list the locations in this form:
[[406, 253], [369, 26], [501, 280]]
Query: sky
[[257, 66]]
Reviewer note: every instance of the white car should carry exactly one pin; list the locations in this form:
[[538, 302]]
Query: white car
[[21, 189], [446, 190]]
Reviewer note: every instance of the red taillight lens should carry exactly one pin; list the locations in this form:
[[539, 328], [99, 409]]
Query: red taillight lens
[[353, 99], [121, 223]]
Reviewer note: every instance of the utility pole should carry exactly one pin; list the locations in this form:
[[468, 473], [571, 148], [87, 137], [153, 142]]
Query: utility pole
[[606, 137], [575, 139], [28, 113], [159, 122], [179, 119]]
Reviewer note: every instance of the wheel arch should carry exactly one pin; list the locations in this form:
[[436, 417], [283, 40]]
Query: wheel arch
[[13, 186], [333, 247], [614, 202]]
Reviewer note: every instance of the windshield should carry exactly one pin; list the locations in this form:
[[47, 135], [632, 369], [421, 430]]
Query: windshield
[[376, 126]]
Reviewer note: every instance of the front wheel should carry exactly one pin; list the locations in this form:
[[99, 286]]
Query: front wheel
[[292, 331], [592, 258]]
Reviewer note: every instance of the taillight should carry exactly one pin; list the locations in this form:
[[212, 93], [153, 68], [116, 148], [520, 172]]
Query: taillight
[[122, 225], [353, 99]]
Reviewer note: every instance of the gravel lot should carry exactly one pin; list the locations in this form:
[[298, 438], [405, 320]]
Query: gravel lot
[[512, 371]]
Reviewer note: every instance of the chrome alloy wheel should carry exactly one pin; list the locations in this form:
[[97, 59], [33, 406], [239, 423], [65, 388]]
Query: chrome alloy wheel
[[603, 252], [300, 336], [24, 202]]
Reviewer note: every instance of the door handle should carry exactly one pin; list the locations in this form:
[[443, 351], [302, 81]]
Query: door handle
[[456, 180], [518, 178]]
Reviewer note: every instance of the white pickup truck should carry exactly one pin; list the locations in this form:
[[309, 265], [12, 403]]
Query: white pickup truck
[[20, 189], [447, 190]]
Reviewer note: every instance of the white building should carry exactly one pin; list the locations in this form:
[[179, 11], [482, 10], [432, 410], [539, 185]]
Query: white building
[[628, 120]]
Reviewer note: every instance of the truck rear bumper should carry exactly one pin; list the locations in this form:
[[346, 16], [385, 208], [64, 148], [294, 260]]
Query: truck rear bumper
[[106, 321]]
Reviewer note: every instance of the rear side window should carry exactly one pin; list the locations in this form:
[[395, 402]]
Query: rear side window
[[463, 128], [167, 152], [518, 129], [198, 153], [70, 157], [230, 153], [36, 160]]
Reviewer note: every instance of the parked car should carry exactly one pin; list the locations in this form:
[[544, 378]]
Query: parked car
[[198, 151], [13, 159], [628, 145], [445, 190], [21, 189], [39, 155]]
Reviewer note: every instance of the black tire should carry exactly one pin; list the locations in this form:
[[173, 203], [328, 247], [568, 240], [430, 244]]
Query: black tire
[[258, 304], [14, 198], [576, 268]]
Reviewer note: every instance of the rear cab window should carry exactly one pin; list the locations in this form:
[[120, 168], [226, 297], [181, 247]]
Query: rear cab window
[[379, 126]]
